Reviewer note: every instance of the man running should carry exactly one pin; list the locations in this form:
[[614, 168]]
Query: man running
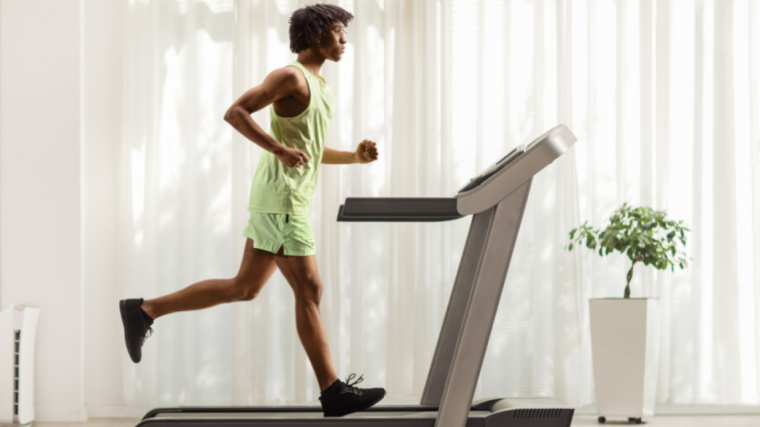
[[279, 233]]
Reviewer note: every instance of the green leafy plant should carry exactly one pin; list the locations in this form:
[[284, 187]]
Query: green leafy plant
[[641, 234]]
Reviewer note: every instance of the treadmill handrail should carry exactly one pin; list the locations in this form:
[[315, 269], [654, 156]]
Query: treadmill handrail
[[395, 209]]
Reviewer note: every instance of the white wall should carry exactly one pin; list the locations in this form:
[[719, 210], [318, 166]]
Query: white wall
[[104, 351], [40, 149], [60, 125]]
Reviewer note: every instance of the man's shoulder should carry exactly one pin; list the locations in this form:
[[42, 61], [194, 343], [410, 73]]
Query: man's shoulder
[[287, 81], [288, 75]]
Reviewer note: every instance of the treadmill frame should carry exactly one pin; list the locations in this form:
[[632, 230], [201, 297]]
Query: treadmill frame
[[472, 308]]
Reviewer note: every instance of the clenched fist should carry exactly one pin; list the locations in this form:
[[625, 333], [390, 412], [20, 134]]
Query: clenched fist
[[366, 151], [292, 157]]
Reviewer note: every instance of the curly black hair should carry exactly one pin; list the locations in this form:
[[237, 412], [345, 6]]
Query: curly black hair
[[309, 23]]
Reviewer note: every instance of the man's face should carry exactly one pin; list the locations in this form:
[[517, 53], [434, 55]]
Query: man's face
[[333, 42]]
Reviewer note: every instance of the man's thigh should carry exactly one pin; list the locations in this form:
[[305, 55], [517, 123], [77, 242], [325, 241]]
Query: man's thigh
[[257, 266], [300, 271]]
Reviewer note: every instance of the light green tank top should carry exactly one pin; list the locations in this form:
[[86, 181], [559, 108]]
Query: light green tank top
[[280, 189]]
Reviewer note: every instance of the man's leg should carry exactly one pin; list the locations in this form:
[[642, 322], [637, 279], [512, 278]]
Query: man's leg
[[137, 315], [255, 270], [337, 398], [302, 275]]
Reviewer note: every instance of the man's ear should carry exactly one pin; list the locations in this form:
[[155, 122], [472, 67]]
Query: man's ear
[[315, 42], [318, 40]]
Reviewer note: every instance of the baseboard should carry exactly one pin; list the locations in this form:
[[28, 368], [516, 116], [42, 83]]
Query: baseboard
[[60, 414], [675, 409], [683, 409], [81, 414], [115, 411]]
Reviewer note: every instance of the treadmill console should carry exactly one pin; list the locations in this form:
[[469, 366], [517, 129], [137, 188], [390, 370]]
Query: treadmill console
[[504, 161], [512, 171]]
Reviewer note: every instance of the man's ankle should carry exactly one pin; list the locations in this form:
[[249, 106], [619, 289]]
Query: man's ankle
[[332, 389], [147, 310], [323, 385]]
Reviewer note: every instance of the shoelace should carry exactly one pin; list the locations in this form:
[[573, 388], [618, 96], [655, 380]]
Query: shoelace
[[350, 386], [146, 335], [149, 332]]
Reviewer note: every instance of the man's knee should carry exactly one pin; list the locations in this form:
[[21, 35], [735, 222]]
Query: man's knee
[[245, 290], [248, 294], [309, 289]]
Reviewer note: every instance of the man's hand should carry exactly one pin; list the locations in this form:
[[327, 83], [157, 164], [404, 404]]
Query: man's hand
[[292, 157], [366, 151]]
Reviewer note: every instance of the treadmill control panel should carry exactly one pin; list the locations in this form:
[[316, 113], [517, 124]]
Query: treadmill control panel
[[504, 161]]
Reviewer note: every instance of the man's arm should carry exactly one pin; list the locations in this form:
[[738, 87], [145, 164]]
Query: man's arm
[[277, 85], [366, 152]]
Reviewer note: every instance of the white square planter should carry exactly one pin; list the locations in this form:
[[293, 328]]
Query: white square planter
[[625, 352]]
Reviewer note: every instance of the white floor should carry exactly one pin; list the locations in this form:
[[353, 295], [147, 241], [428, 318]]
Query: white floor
[[578, 420], [679, 421]]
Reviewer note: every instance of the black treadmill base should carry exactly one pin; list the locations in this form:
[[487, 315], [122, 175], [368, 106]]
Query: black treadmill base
[[395, 416]]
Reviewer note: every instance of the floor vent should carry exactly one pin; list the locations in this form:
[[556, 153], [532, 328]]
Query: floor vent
[[538, 413], [16, 363]]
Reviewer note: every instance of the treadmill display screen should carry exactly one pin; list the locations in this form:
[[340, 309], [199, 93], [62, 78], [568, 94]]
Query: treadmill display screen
[[512, 155]]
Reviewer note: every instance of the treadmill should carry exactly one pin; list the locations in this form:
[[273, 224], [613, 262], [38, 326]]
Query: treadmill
[[496, 199]]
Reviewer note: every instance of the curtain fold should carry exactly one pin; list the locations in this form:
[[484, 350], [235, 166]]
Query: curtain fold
[[663, 95]]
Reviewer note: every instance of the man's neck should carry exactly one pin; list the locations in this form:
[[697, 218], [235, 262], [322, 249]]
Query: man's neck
[[311, 60]]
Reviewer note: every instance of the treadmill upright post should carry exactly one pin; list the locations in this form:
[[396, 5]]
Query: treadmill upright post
[[481, 306], [452, 320]]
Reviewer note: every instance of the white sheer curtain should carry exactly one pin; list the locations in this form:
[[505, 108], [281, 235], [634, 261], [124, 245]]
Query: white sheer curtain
[[664, 97]]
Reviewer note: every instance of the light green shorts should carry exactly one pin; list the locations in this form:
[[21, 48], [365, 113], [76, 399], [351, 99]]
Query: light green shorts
[[270, 232]]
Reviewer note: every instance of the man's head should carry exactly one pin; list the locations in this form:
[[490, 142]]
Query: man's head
[[321, 26]]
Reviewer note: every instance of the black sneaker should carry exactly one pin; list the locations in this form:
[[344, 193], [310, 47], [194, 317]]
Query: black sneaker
[[343, 398], [136, 326]]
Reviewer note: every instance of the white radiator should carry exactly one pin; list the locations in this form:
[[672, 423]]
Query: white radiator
[[18, 329]]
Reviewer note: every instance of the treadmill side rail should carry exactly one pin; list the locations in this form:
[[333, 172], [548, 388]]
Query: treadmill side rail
[[398, 209]]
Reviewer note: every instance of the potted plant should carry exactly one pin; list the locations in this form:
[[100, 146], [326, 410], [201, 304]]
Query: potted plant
[[625, 331]]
